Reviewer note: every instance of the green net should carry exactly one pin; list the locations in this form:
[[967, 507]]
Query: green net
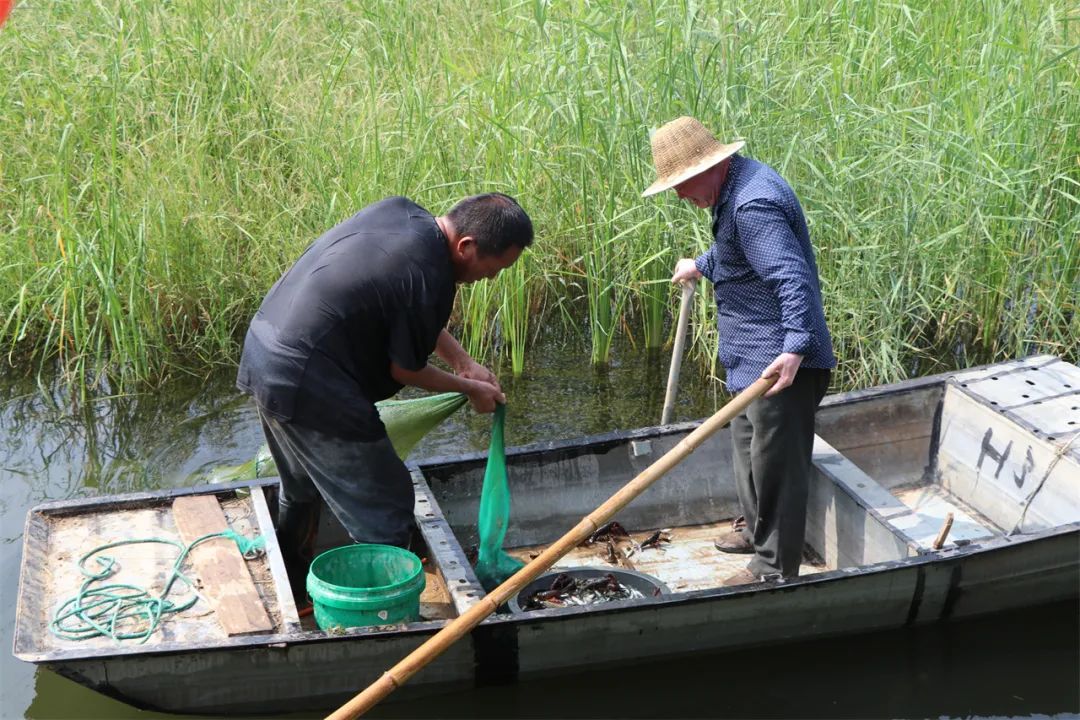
[[493, 565], [406, 421]]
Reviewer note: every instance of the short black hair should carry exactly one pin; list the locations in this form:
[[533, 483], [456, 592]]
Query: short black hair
[[494, 220]]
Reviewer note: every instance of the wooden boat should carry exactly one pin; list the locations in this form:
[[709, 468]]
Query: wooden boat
[[997, 447]]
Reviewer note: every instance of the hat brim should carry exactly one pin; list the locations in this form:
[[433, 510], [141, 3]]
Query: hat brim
[[716, 158]]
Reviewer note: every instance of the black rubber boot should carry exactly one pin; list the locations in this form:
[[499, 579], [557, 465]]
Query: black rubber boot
[[297, 528]]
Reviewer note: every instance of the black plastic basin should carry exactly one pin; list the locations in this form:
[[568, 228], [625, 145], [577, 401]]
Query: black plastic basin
[[647, 585]]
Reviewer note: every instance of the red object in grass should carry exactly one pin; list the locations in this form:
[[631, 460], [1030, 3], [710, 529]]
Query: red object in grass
[[5, 9]]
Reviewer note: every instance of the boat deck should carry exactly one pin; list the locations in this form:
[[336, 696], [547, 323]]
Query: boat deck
[[930, 505], [143, 565], [435, 601], [688, 562]]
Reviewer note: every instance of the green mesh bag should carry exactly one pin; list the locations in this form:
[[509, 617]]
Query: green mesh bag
[[493, 565], [406, 421]]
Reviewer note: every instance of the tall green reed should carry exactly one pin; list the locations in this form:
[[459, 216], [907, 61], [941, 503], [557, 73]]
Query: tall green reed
[[162, 164], [477, 302], [516, 311]]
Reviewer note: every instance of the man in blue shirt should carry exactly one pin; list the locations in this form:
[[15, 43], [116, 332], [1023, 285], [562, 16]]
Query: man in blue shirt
[[771, 323]]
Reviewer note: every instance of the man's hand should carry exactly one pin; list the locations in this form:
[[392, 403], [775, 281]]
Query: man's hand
[[473, 370], [685, 270], [483, 396], [785, 365]]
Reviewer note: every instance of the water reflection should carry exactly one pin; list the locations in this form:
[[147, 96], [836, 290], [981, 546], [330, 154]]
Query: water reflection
[[62, 449]]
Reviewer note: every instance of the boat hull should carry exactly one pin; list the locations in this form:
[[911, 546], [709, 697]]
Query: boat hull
[[891, 463], [322, 672]]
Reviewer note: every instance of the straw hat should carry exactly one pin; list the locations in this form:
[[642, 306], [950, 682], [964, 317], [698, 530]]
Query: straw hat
[[683, 148]]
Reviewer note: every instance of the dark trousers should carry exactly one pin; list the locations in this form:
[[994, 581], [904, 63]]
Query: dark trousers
[[365, 485], [772, 445]]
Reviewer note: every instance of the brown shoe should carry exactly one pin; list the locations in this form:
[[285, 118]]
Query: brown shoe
[[734, 542], [743, 577]]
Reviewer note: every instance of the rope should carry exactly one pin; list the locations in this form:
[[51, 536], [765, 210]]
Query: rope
[[1062, 449], [128, 612]]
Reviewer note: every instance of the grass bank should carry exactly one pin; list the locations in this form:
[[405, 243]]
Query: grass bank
[[162, 162]]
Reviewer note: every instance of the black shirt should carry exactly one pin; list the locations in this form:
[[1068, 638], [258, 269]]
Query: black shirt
[[378, 287]]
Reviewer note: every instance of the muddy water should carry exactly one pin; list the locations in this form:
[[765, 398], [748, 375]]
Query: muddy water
[[52, 448]]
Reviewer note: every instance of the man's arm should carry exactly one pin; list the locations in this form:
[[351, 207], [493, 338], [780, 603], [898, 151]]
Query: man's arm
[[776, 256], [450, 351], [483, 395], [706, 262]]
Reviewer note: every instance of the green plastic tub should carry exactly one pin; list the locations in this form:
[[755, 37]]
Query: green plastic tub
[[359, 585]]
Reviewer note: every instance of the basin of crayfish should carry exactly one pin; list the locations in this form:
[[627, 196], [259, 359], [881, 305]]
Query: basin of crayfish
[[572, 587]]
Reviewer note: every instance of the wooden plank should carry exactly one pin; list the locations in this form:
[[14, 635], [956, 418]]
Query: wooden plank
[[879, 421], [1025, 386], [843, 472], [888, 437], [445, 554], [219, 565], [851, 519], [1010, 366], [895, 464], [435, 601], [30, 612], [1056, 417]]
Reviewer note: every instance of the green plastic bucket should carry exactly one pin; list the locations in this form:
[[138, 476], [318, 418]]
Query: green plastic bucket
[[358, 585]]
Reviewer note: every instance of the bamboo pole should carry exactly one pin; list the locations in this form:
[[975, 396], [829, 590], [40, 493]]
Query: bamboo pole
[[677, 351], [417, 659]]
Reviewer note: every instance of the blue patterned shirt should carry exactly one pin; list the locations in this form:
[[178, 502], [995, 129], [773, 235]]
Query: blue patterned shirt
[[762, 268]]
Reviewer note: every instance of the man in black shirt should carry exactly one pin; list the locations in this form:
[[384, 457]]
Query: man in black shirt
[[351, 323]]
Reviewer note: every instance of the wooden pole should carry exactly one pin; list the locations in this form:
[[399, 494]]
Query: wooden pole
[[455, 630], [944, 533], [677, 351]]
